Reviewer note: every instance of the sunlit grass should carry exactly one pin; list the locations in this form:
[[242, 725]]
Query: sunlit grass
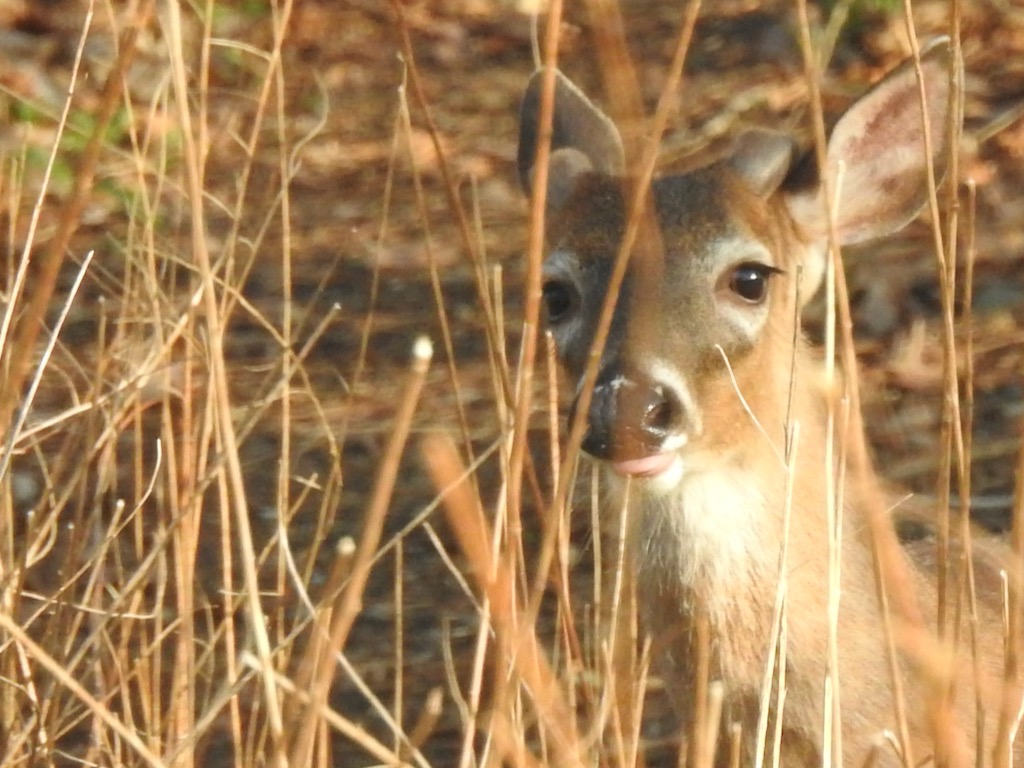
[[174, 589]]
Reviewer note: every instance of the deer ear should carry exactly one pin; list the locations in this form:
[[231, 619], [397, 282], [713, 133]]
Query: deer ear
[[762, 159], [583, 138], [879, 143]]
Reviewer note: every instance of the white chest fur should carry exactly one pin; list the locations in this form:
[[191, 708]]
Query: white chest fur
[[703, 528]]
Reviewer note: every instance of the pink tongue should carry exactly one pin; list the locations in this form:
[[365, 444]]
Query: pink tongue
[[645, 467]]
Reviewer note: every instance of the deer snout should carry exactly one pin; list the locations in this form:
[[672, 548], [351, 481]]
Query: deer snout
[[634, 422]]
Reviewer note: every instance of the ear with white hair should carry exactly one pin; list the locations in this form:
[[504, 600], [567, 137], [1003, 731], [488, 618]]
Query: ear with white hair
[[879, 144]]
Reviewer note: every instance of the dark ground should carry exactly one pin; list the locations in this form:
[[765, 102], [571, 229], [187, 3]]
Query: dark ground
[[474, 57]]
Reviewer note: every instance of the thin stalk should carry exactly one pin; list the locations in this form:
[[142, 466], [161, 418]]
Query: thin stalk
[[636, 213], [344, 617], [23, 345], [218, 370], [532, 287]]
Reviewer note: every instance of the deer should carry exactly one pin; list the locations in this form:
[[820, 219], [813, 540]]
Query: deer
[[703, 373]]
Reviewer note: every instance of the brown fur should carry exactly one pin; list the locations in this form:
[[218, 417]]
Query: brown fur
[[707, 533]]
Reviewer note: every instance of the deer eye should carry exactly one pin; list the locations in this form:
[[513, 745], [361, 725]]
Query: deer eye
[[749, 281], [559, 300]]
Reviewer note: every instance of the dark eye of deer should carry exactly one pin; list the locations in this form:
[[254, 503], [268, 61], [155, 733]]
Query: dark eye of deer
[[559, 300], [750, 281]]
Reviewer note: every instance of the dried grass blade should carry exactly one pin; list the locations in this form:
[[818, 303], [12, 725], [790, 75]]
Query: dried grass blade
[[23, 346], [344, 617], [494, 579]]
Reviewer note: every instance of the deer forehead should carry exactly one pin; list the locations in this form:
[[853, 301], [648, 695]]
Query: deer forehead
[[709, 224], [704, 217]]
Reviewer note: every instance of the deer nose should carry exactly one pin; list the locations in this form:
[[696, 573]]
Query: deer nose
[[630, 417]]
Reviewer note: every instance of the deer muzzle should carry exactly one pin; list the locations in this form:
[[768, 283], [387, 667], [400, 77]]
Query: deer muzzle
[[635, 423]]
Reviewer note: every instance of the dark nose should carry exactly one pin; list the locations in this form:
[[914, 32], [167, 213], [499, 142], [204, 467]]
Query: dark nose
[[630, 417]]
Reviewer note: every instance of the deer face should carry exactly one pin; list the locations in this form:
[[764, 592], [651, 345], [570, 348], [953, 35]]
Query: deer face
[[699, 302], [706, 321]]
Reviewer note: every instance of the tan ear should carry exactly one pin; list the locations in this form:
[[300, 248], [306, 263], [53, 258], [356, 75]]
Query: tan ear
[[879, 143], [762, 159], [583, 138]]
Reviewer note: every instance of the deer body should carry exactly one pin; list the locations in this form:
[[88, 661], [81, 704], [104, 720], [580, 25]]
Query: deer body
[[707, 537], [704, 376]]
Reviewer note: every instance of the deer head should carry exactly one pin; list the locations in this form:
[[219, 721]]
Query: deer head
[[743, 247]]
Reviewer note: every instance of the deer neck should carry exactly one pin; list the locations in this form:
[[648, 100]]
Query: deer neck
[[712, 538]]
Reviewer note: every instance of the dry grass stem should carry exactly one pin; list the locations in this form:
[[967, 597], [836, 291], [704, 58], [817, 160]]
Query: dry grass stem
[[351, 602], [495, 578], [226, 223]]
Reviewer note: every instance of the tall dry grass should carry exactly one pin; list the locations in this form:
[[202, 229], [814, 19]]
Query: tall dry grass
[[147, 616]]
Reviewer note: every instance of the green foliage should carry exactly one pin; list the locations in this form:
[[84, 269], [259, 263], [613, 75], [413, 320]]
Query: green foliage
[[848, 19], [859, 7], [255, 9], [80, 127], [23, 112]]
